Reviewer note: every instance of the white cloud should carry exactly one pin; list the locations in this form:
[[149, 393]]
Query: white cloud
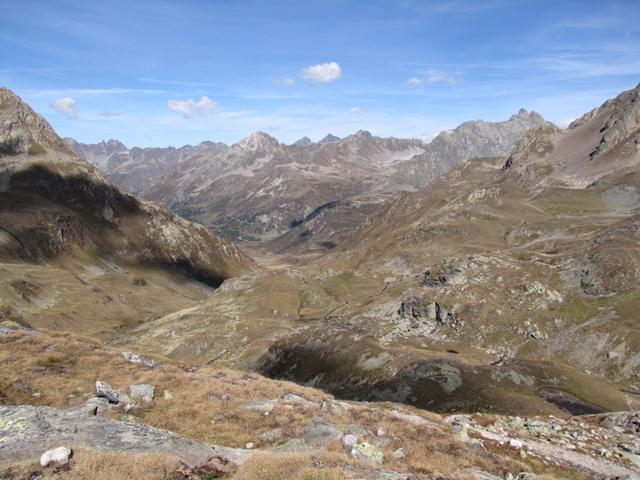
[[322, 73], [66, 106], [286, 81], [356, 110], [433, 77], [189, 108], [415, 81]]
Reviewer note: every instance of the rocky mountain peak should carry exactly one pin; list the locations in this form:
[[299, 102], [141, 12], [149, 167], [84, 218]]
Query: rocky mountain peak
[[360, 137], [258, 141], [23, 131], [362, 134], [330, 138], [303, 142], [526, 116]]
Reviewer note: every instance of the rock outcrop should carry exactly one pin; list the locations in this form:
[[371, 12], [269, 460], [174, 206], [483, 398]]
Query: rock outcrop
[[28, 429]]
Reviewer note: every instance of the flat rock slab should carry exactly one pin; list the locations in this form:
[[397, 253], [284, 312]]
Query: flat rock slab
[[27, 431]]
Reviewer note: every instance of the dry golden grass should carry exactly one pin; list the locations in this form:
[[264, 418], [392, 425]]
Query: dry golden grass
[[90, 464], [289, 467], [60, 369]]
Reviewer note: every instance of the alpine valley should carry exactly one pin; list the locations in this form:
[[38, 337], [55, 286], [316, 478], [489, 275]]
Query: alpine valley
[[357, 307]]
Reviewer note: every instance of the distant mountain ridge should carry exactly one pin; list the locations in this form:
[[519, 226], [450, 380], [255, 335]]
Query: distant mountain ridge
[[133, 169], [258, 187]]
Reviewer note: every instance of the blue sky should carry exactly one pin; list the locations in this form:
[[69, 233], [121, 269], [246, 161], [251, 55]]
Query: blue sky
[[170, 73]]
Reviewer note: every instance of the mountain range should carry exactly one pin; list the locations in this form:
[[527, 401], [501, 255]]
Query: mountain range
[[258, 188]]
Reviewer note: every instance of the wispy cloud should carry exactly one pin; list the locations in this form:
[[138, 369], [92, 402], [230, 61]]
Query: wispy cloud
[[433, 77], [87, 92], [66, 106], [356, 110], [322, 73], [109, 114], [189, 108], [286, 81]]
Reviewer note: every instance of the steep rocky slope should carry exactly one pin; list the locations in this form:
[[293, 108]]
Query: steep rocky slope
[[59, 216]]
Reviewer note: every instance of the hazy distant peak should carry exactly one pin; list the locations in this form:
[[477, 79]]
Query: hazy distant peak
[[330, 138], [303, 142], [363, 134]]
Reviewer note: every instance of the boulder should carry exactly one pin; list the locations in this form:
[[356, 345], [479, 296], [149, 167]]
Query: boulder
[[445, 275], [349, 440], [142, 393], [6, 331], [400, 454], [367, 452], [321, 434], [417, 308], [105, 390], [56, 456], [420, 309], [99, 404], [132, 357]]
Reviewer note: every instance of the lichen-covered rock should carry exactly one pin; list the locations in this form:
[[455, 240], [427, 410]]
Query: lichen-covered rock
[[366, 451], [25, 429]]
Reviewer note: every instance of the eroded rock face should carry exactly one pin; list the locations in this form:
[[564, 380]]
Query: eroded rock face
[[25, 429], [623, 121], [421, 309], [443, 276]]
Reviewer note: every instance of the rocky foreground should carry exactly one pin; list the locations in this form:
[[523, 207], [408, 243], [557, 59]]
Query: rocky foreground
[[89, 401]]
